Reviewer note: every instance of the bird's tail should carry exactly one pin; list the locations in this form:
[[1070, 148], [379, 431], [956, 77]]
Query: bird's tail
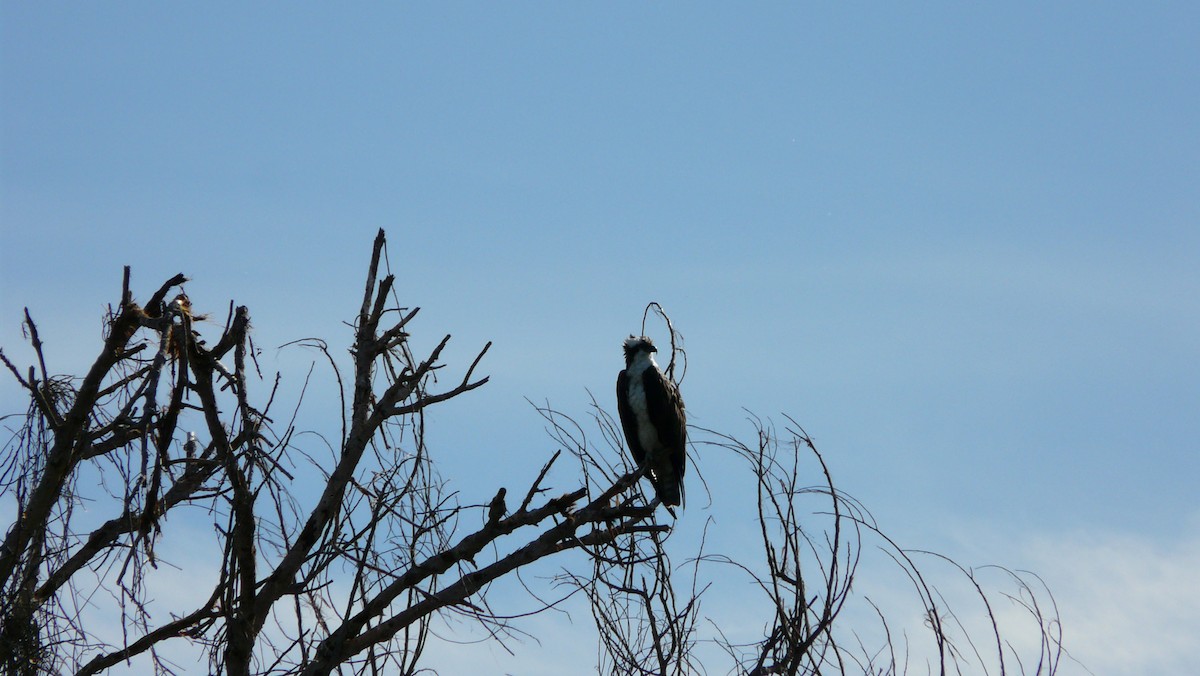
[[670, 492]]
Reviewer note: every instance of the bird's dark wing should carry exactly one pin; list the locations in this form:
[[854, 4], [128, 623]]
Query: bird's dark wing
[[665, 407], [628, 420]]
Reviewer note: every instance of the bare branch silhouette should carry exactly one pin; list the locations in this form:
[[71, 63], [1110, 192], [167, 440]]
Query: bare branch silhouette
[[340, 551]]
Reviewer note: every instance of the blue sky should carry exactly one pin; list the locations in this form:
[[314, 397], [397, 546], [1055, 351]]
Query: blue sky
[[957, 243]]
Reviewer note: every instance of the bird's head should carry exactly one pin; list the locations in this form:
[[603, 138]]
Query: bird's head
[[637, 345]]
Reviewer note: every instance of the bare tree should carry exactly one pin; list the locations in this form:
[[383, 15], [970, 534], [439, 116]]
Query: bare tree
[[811, 541], [351, 575]]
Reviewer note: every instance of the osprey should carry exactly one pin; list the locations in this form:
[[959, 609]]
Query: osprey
[[653, 418]]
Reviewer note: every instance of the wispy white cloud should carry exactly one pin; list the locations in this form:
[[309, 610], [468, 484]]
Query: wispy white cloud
[[1130, 604]]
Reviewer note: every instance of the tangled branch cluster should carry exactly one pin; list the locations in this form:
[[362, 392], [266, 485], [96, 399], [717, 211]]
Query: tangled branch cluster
[[350, 576]]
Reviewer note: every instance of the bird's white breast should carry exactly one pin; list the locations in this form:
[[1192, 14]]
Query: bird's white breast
[[647, 434]]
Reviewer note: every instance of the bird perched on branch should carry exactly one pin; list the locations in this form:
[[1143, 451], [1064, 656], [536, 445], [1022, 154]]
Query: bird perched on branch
[[654, 419], [496, 508]]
